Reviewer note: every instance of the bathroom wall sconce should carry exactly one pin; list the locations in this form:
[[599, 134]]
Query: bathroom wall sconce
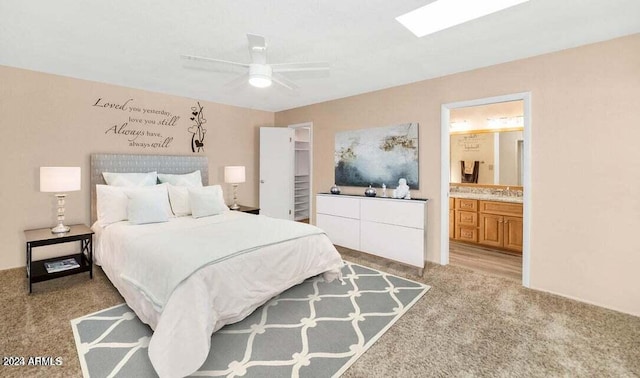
[[505, 122]]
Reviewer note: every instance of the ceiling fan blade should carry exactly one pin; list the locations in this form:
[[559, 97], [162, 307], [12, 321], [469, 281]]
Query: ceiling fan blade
[[238, 81], [257, 48], [300, 67], [283, 81], [201, 62]]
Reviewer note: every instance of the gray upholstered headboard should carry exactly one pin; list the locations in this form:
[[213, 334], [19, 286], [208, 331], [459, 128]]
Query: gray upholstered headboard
[[122, 163]]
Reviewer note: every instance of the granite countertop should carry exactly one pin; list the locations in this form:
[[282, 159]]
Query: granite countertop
[[486, 197]]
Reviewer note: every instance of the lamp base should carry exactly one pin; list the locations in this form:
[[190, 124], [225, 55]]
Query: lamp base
[[60, 229], [235, 198]]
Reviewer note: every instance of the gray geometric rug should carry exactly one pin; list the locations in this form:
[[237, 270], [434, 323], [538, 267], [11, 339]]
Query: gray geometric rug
[[314, 329]]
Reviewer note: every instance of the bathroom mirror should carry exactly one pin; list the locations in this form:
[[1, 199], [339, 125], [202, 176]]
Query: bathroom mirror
[[486, 144], [496, 158]]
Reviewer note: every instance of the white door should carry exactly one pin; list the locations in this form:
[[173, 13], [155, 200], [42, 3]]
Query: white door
[[276, 172]]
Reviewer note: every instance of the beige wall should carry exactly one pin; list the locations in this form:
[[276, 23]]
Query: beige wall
[[585, 212], [49, 120]]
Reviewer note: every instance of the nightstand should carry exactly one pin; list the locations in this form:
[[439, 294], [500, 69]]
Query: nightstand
[[37, 271], [248, 209]]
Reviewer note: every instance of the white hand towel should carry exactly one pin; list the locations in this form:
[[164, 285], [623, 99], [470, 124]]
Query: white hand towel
[[468, 167]]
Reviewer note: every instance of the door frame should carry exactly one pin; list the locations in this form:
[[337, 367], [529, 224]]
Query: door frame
[[445, 169], [310, 126]]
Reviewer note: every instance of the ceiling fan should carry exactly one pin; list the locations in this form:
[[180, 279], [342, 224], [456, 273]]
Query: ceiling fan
[[260, 73]]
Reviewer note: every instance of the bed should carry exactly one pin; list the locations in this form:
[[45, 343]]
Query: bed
[[186, 278]]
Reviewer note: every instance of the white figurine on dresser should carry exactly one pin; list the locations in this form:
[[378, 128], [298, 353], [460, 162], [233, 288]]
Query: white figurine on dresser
[[402, 191]]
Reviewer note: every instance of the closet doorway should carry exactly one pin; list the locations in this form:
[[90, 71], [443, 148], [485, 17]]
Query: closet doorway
[[486, 222], [286, 171]]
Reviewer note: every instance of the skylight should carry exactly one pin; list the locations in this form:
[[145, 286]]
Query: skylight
[[443, 14]]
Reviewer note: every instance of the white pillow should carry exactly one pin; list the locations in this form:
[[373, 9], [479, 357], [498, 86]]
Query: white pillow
[[179, 198], [111, 204], [147, 207], [206, 201], [130, 179], [112, 201], [189, 179]]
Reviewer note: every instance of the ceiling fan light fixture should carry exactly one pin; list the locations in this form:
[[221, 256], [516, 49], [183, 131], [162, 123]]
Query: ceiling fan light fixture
[[260, 75], [259, 81]]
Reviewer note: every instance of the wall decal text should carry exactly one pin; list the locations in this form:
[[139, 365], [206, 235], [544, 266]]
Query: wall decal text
[[140, 126]]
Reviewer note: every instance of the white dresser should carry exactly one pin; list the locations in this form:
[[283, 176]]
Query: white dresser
[[385, 227]]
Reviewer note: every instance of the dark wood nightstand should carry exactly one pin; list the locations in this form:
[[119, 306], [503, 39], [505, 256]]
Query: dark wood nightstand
[[37, 271], [248, 209]]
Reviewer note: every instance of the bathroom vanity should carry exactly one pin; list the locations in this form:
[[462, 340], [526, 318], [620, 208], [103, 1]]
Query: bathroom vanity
[[488, 220]]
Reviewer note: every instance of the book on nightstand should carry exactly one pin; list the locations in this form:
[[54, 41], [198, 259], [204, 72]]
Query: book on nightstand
[[62, 265]]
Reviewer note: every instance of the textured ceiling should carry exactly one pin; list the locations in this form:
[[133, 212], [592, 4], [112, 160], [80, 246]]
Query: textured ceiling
[[137, 43]]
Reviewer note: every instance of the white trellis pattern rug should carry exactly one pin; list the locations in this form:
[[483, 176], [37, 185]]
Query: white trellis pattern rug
[[314, 329]]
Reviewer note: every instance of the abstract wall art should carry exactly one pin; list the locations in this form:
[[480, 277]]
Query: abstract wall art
[[377, 156]]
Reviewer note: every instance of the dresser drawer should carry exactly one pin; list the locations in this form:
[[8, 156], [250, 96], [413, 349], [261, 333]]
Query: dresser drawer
[[341, 231], [404, 244], [466, 204], [339, 206], [396, 212]]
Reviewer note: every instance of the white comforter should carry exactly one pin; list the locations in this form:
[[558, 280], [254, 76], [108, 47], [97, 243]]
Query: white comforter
[[214, 295]]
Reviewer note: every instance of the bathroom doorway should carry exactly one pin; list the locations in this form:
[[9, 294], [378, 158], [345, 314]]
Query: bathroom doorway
[[485, 191]]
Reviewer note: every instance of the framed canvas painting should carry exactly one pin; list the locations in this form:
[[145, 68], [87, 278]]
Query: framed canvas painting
[[377, 156]]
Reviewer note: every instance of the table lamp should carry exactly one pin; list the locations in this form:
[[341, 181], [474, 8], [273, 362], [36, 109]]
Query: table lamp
[[60, 180], [234, 175]]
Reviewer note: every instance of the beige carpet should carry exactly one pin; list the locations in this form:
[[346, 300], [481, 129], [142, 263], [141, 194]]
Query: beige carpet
[[468, 325]]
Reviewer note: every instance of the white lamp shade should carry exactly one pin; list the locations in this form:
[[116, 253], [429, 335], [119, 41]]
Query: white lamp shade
[[59, 179], [234, 174]]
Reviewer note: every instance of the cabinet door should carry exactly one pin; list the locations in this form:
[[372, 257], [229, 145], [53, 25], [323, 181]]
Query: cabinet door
[[513, 233], [491, 230]]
